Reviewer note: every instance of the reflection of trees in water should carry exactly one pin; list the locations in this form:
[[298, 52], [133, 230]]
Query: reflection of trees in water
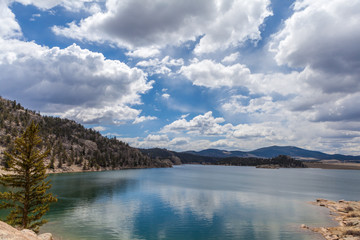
[[191, 202], [94, 205], [86, 188]]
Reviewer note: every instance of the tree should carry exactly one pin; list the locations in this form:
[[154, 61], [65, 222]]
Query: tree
[[27, 197]]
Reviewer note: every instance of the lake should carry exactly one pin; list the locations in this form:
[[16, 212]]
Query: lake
[[196, 202]]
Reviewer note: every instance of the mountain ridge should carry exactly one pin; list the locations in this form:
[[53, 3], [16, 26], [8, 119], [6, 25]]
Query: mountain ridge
[[73, 147], [273, 151]]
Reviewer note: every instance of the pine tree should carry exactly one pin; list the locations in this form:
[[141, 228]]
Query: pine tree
[[27, 198]]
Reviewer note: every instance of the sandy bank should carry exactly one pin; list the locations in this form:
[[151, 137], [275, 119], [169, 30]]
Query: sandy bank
[[324, 165], [347, 213]]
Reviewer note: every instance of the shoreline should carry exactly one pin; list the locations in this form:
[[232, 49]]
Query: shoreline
[[346, 213], [76, 169], [340, 166]]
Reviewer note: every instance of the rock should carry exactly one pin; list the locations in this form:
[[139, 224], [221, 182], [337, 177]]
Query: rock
[[45, 236], [29, 232], [8, 232], [304, 226], [347, 214]]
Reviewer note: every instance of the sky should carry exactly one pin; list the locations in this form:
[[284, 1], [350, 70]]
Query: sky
[[190, 75]]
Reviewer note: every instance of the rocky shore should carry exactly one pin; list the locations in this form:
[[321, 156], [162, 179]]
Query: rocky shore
[[7, 232], [347, 213]]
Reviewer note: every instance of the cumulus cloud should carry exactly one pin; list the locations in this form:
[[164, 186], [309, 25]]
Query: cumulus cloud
[[252, 131], [165, 95], [254, 105], [237, 22], [210, 74], [143, 119], [342, 109], [282, 128], [202, 124], [9, 27], [163, 66], [321, 35], [91, 6], [320, 38], [72, 82], [179, 141], [144, 52], [99, 128], [158, 23], [230, 58], [156, 138], [160, 141]]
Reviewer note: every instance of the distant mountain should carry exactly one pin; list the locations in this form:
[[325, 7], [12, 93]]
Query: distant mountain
[[177, 157], [73, 147], [219, 153], [220, 157], [274, 151], [290, 151]]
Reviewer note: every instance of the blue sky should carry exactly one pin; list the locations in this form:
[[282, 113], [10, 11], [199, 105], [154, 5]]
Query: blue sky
[[190, 75]]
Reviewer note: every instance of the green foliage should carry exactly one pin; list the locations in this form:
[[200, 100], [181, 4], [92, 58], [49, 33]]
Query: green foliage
[[27, 198], [72, 143], [281, 161]]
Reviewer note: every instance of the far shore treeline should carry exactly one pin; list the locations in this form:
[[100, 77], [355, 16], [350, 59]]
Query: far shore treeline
[[188, 158]]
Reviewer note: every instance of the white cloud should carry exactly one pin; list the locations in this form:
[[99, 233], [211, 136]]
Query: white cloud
[[9, 27], [179, 141], [91, 6], [99, 128], [230, 58], [210, 74], [143, 119], [163, 66], [322, 36], [252, 131], [202, 124], [321, 39], [34, 16], [263, 105], [184, 115], [224, 143], [166, 95], [342, 109], [135, 23], [237, 22], [144, 52], [75, 82], [156, 138]]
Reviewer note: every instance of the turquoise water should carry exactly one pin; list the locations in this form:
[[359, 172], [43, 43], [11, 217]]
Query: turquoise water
[[196, 202]]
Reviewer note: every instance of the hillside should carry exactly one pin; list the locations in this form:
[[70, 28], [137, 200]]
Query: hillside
[[219, 153], [191, 158], [72, 145], [273, 151]]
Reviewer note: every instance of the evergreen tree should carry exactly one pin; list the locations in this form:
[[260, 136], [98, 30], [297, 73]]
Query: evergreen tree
[[52, 161], [27, 197]]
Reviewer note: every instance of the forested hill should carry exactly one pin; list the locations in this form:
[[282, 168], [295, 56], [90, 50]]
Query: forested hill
[[73, 147]]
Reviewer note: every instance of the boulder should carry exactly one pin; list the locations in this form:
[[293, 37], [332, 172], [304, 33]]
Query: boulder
[[10, 233]]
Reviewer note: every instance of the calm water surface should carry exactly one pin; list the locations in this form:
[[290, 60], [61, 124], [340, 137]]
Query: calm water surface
[[196, 202]]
